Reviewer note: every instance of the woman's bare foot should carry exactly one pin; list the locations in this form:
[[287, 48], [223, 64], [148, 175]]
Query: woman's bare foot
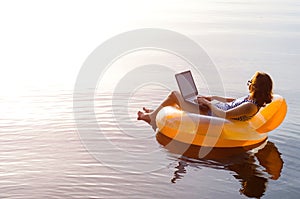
[[147, 117], [147, 110], [144, 116]]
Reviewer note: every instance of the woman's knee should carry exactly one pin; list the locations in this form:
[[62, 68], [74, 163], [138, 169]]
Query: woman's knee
[[176, 97], [174, 94]]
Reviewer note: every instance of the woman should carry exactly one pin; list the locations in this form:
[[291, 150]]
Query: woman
[[243, 109]]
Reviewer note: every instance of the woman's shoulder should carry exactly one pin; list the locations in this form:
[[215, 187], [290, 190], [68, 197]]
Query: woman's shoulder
[[253, 101]]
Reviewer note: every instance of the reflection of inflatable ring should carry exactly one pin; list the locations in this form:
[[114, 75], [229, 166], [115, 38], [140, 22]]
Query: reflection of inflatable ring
[[211, 131]]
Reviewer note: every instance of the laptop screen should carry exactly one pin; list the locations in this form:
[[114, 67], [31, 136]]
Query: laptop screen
[[186, 84]]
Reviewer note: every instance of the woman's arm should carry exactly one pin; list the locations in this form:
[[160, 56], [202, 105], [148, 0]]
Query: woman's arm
[[248, 109], [222, 99], [218, 98]]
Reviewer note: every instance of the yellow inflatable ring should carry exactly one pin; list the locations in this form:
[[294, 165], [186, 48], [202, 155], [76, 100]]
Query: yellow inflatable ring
[[202, 130]]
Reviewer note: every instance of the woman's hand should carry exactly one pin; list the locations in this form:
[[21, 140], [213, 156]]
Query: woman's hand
[[204, 101], [208, 98]]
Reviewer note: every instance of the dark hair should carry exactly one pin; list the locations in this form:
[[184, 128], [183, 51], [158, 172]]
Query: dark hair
[[261, 88]]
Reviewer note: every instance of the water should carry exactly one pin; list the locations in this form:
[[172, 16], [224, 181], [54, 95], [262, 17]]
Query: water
[[42, 153]]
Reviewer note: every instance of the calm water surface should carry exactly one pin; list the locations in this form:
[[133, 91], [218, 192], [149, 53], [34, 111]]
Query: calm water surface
[[42, 153]]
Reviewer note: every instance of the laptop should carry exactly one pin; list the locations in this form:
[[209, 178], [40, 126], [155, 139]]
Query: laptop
[[187, 86]]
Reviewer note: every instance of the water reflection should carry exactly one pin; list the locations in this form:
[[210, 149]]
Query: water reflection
[[252, 166]]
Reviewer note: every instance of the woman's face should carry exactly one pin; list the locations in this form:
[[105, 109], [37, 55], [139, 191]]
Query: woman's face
[[251, 81]]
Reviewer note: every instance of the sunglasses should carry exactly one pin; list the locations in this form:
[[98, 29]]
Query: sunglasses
[[249, 82]]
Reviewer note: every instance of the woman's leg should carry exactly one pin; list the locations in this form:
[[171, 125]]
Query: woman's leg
[[173, 99]]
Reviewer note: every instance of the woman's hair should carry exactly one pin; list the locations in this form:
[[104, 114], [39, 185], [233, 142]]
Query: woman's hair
[[261, 88]]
